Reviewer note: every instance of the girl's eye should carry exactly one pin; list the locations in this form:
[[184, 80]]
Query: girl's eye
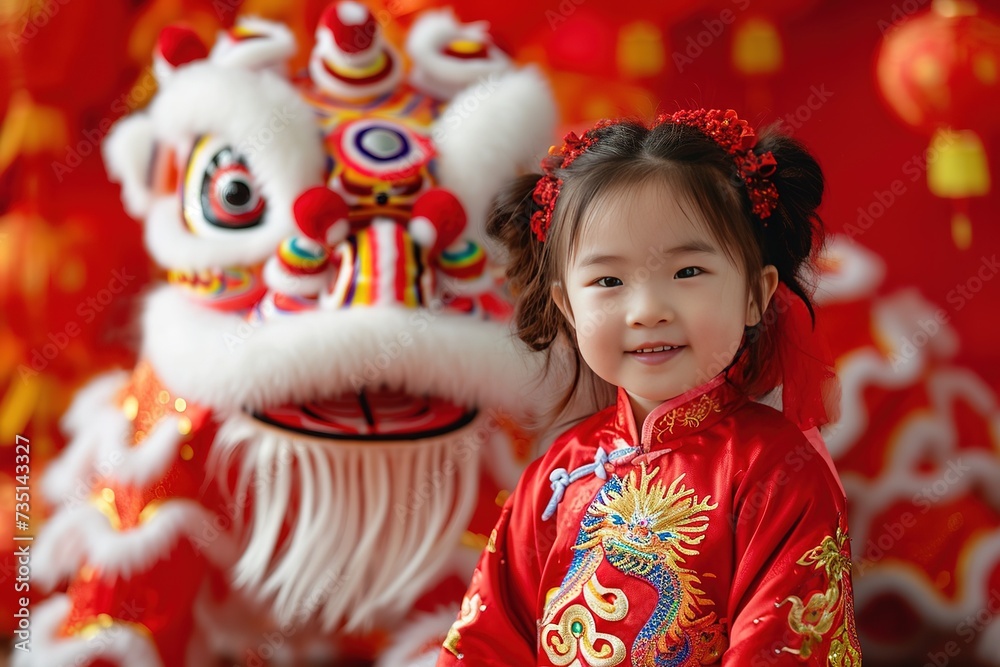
[[608, 281], [688, 272]]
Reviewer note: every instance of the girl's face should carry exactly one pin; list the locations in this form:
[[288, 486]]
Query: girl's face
[[657, 306]]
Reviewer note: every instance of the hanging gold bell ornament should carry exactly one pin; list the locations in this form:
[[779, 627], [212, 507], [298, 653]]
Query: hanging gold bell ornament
[[757, 49], [940, 72]]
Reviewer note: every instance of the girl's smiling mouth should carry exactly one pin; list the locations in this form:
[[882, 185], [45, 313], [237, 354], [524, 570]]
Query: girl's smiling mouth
[[655, 353], [646, 348]]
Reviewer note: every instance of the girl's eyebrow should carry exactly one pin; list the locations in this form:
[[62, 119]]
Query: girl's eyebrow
[[691, 247], [597, 258], [683, 249]]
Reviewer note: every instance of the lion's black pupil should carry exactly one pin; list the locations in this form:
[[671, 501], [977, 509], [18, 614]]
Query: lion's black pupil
[[237, 193]]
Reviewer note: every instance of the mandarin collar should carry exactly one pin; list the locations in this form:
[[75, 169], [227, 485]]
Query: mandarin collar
[[680, 416]]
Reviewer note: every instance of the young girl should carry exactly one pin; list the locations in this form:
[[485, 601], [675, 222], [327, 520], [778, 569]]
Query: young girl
[[687, 524]]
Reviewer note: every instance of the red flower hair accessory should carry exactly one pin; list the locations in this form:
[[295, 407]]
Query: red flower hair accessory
[[547, 189], [734, 135], [738, 139]]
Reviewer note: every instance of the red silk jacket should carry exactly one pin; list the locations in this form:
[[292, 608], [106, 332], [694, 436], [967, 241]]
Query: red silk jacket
[[717, 535]]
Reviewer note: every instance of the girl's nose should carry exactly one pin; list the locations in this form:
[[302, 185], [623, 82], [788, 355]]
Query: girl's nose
[[648, 308]]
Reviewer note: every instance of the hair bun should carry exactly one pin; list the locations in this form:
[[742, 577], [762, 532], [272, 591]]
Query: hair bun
[[797, 175]]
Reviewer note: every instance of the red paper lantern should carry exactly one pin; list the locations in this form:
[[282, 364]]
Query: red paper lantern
[[940, 73]]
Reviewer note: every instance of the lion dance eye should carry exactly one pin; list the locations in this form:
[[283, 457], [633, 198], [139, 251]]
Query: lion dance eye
[[220, 191], [230, 198]]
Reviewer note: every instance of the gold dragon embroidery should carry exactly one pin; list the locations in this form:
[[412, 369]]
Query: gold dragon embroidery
[[813, 619]]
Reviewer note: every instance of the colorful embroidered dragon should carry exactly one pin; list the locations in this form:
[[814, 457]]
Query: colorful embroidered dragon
[[645, 530]]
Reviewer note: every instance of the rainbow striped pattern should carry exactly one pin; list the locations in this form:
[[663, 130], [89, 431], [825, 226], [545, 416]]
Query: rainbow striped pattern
[[464, 263], [301, 256], [382, 265]]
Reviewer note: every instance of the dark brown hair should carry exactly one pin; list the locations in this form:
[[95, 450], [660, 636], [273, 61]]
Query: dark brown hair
[[628, 155]]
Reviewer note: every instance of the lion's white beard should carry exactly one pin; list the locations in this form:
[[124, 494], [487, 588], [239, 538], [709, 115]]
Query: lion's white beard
[[370, 525]]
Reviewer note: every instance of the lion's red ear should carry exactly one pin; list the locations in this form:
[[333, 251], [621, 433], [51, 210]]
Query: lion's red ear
[[177, 45]]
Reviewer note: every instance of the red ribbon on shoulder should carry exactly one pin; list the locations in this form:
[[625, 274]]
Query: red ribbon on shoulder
[[802, 364]]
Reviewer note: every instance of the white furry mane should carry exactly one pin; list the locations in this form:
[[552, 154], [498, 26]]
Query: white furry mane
[[369, 524], [222, 361]]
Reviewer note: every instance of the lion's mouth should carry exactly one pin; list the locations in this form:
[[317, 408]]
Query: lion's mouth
[[371, 415]]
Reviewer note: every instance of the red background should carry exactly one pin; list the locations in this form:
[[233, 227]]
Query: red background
[[61, 240]]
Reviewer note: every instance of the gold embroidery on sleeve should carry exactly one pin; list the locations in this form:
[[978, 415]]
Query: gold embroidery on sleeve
[[471, 607], [813, 619]]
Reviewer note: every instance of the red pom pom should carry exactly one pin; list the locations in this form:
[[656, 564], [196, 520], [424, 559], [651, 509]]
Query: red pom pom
[[445, 213], [179, 45], [352, 25], [317, 210]]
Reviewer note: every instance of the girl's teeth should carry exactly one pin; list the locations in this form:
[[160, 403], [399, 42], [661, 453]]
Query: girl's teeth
[[661, 348]]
